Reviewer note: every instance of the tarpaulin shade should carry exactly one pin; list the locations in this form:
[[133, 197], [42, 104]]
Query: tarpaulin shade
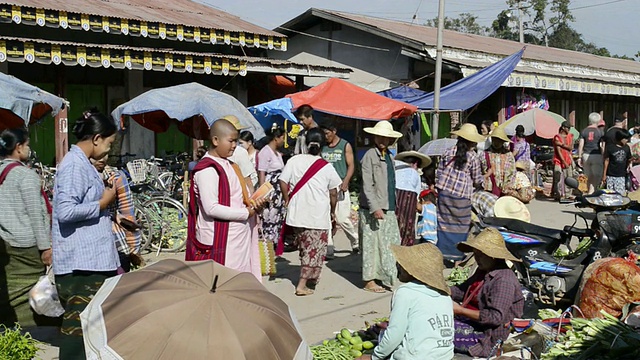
[[22, 104], [341, 98], [194, 107], [464, 93]]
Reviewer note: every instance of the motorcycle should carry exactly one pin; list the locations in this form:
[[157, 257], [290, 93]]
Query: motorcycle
[[547, 270]]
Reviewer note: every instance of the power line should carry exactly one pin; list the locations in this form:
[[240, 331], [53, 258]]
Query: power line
[[594, 5]]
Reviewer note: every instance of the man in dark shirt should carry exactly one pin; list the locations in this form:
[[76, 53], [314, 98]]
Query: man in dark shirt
[[590, 151], [617, 158], [618, 123]]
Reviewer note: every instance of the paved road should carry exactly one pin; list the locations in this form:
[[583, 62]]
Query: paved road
[[339, 301]]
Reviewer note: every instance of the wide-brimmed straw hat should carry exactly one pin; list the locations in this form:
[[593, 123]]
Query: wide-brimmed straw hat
[[499, 133], [522, 165], [383, 128], [489, 242], [424, 159], [511, 208], [423, 262], [235, 121], [469, 132]]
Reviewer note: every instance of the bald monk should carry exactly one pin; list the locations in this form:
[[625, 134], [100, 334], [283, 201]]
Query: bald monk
[[220, 214]]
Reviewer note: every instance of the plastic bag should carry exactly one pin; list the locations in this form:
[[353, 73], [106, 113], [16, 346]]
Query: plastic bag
[[43, 297]]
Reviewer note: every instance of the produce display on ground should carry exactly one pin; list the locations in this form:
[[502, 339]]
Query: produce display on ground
[[15, 345], [349, 345], [606, 338]]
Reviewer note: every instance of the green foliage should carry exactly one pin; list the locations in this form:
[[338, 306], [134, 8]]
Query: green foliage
[[464, 23], [15, 345]]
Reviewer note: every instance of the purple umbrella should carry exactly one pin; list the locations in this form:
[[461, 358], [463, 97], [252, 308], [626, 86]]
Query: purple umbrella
[[437, 147]]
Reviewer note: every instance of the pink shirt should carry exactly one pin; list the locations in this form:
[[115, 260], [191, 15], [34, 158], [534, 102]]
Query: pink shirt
[[242, 246], [269, 160]]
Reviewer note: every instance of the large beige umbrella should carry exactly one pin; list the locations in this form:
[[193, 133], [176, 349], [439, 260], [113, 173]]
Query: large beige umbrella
[[189, 310]]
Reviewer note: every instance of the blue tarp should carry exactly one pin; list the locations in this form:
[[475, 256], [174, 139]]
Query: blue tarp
[[273, 111], [20, 98], [464, 93]]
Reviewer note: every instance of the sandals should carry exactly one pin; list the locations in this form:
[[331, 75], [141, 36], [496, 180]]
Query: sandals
[[375, 289], [304, 292]]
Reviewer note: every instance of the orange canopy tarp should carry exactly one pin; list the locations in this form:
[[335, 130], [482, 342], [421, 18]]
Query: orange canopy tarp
[[339, 97]]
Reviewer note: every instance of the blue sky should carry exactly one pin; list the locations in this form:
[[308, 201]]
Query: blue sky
[[613, 25]]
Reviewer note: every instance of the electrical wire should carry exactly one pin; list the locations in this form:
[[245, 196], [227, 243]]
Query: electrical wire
[[594, 5]]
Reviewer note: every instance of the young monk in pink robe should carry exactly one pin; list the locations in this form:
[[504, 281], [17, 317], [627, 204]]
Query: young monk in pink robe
[[221, 219]]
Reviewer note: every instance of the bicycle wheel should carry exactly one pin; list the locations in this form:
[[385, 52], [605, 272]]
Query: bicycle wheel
[[165, 181], [169, 224], [144, 219]]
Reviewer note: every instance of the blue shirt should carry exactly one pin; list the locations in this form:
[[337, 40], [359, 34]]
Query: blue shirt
[[407, 178], [420, 325], [81, 233], [428, 224]]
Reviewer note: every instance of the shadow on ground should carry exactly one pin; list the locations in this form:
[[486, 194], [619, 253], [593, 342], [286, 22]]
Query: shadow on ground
[[349, 267]]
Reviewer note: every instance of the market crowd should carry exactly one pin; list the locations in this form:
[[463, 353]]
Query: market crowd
[[250, 202]]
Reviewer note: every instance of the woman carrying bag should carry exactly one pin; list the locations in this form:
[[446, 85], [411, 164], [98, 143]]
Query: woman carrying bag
[[314, 187], [25, 230]]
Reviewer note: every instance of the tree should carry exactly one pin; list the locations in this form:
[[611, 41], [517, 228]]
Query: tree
[[537, 10], [464, 23]]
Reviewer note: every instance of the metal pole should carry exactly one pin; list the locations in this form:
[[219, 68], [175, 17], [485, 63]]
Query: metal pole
[[520, 23], [436, 86]]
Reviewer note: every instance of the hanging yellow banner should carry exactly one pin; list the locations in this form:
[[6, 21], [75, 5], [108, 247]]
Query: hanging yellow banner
[[56, 54], [16, 14], [168, 62], [180, 33], [82, 56], [188, 63], [40, 17], [3, 51], [29, 52]]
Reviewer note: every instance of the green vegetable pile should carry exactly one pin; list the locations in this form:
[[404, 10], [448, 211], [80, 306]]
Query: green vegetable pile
[[348, 345], [607, 338], [458, 275], [17, 346], [546, 313]]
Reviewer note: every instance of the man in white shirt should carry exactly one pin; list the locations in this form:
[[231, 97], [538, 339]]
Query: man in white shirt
[[241, 156]]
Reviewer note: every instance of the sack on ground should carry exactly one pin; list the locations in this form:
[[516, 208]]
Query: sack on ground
[[43, 298], [608, 284], [267, 258]]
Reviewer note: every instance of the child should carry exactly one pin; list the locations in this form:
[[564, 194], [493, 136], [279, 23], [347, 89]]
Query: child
[[421, 321], [428, 223], [523, 190], [408, 186], [617, 158], [219, 208]]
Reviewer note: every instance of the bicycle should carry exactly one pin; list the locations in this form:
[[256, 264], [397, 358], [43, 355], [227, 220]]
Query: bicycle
[[164, 217]]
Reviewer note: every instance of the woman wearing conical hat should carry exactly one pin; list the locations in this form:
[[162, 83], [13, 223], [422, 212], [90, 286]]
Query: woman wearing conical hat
[[378, 227], [457, 175], [498, 164], [491, 298], [421, 321]]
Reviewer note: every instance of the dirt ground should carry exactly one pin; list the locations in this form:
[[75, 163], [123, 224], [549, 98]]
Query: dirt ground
[[339, 302]]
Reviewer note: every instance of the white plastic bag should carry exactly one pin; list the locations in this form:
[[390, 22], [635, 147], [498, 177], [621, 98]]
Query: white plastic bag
[[43, 297]]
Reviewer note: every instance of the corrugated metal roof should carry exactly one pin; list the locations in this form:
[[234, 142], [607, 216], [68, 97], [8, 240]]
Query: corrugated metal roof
[[179, 12], [452, 39]]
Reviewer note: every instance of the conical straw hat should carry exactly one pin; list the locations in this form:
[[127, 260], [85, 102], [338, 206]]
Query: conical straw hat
[[383, 128], [424, 159], [511, 208], [469, 132], [423, 262], [489, 242], [499, 133]]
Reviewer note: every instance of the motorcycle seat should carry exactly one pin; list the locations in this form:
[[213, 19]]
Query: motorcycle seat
[[524, 227]]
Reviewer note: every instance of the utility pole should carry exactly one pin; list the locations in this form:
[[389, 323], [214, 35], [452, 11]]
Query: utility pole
[[520, 23], [436, 87]]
